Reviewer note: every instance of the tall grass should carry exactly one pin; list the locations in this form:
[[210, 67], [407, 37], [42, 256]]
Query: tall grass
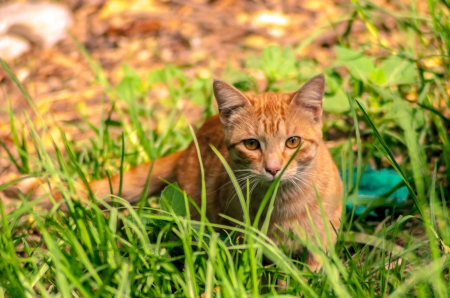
[[157, 251]]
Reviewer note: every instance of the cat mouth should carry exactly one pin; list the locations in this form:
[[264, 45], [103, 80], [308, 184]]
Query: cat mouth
[[271, 178]]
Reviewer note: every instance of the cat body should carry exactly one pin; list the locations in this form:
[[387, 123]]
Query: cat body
[[257, 135]]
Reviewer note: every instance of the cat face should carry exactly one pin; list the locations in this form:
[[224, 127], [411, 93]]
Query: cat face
[[264, 132]]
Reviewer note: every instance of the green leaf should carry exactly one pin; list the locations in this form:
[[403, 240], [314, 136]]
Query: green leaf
[[197, 94], [155, 76], [378, 76], [129, 72], [173, 198], [131, 86], [360, 67], [336, 103], [410, 119], [278, 62], [345, 54], [406, 116], [398, 71]]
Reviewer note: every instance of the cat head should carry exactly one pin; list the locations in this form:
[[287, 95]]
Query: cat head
[[263, 132]]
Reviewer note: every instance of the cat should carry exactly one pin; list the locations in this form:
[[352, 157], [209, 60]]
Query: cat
[[257, 135]]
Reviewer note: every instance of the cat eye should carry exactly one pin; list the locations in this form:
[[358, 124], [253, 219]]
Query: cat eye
[[251, 144], [293, 142]]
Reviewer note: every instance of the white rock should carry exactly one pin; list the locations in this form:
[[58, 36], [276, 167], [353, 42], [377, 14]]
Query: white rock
[[12, 46], [43, 23]]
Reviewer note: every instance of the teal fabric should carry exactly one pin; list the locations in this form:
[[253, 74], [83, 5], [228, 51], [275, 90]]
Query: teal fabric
[[376, 184]]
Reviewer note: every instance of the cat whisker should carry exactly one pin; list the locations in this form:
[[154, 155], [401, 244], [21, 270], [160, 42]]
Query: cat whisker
[[298, 188], [303, 183], [312, 176], [253, 187], [242, 182], [238, 179]]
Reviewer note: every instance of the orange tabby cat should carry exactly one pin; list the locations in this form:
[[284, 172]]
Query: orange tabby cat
[[257, 135]]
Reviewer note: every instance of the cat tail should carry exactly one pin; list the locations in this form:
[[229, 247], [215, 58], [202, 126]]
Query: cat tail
[[131, 184]]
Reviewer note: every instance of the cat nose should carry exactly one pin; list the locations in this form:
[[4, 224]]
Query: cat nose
[[273, 171]]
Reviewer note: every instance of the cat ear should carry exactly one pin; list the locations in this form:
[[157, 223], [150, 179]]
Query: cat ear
[[310, 96], [229, 99]]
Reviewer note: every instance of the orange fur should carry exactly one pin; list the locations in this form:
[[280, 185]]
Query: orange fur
[[269, 118]]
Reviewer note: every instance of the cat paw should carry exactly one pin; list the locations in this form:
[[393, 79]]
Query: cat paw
[[314, 262]]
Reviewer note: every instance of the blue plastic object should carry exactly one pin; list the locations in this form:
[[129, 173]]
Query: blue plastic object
[[376, 184]]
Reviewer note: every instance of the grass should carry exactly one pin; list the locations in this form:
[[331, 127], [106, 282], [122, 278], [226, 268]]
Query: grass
[[392, 114]]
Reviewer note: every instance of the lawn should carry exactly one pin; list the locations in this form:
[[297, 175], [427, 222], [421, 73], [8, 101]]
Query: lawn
[[387, 105]]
